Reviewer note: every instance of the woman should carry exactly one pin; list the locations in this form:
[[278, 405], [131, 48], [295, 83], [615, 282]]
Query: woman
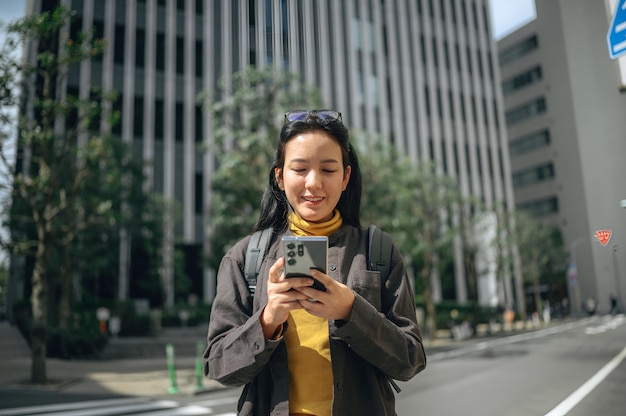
[[298, 350]]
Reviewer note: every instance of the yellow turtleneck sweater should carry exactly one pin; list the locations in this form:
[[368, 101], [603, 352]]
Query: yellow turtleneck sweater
[[308, 347]]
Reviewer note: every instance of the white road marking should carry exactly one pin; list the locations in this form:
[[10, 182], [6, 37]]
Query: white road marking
[[570, 402]]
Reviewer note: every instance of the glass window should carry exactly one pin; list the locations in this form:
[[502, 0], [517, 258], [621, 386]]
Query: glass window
[[160, 52], [522, 80], [533, 175], [518, 50], [180, 56], [118, 51], [138, 118], [541, 207], [529, 142], [140, 56], [526, 110]]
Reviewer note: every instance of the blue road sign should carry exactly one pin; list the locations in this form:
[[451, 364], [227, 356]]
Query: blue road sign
[[616, 38]]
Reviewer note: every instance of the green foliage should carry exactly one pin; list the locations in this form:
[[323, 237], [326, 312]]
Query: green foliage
[[74, 185], [413, 203], [81, 340], [182, 283], [81, 186], [542, 253], [197, 315], [133, 325], [75, 344], [4, 280], [451, 313], [22, 316], [386, 191], [245, 134]]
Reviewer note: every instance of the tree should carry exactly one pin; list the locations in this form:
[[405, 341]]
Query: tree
[[507, 259], [243, 142], [3, 287], [435, 198], [67, 178], [415, 204], [387, 192], [541, 251]]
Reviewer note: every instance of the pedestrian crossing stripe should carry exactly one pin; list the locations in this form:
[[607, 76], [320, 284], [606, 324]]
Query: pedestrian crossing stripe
[[111, 407], [51, 408]]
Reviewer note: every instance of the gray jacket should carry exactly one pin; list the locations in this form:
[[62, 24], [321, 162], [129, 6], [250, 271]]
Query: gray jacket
[[380, 340]]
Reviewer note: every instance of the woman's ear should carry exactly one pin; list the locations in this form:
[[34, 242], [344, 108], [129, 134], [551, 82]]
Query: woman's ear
[[346, 176], [278, 174]]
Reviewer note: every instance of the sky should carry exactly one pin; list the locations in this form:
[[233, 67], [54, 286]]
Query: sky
[[9, 11], [509, 15], [12, 9]]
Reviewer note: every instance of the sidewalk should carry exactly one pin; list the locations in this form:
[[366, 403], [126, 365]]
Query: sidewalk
[[149, 377]]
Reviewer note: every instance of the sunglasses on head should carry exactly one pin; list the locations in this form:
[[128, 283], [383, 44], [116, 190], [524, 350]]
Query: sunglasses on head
[[303, 115]]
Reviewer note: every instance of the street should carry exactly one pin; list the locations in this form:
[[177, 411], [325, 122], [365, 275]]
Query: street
[[527, 374], [572, 368]]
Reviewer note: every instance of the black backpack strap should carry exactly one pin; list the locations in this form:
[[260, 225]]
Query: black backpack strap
[[257, 247], [379, 259], [379, 251]]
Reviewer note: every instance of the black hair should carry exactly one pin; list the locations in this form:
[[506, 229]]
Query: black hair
[[274, 204]]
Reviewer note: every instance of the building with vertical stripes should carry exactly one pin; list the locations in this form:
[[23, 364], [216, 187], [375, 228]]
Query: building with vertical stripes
[[422, 73], [565, 106]]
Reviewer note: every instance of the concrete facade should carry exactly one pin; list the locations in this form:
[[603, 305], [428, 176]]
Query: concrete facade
[[567, 137]]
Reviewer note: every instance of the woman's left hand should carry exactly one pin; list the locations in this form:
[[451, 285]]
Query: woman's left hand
[[334, 304]]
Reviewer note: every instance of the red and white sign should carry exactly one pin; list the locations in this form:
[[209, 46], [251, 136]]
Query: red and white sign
[[603, 236]]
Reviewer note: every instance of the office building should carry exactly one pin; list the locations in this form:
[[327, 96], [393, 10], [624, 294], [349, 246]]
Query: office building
[[423, 73], [565, 107]]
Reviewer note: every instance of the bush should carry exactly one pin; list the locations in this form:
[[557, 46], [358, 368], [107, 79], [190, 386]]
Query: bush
[[83, 340], [198, 315], [470, 312], [22, 316], [68, 344]]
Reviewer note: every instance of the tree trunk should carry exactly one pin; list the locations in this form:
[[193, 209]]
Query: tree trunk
[[470, 270], [431, 321], [66, 289], [535, 281], [40, 314]]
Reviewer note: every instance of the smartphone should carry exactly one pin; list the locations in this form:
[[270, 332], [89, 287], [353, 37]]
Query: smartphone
[[303, 253]]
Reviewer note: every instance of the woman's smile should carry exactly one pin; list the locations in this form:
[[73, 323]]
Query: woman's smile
[[313, 199]]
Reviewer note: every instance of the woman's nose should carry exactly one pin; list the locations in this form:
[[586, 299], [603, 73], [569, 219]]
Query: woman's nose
[[313, 179]]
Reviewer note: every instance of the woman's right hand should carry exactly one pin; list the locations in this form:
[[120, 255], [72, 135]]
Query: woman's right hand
[[281, 298]]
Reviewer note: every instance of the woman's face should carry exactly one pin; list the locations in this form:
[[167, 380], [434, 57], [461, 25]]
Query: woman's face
[[313, 176]]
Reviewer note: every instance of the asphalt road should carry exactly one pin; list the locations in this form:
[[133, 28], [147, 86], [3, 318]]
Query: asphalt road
[[574, 369]]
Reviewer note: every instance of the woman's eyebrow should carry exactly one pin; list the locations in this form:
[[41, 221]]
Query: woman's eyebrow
[[301, 160]]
